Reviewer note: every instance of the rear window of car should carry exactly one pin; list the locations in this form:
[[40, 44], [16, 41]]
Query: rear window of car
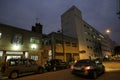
[[83, 62]]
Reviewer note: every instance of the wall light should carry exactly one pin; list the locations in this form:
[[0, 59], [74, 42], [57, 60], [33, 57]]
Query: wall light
[[33, 46], [16, 47]]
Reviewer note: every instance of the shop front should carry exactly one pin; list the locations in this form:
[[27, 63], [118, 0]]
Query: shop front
[[5, 55]]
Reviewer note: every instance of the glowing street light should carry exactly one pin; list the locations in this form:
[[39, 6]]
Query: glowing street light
[[108, 31]]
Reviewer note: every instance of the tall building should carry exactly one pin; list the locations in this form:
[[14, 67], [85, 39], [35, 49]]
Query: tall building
[[89, 38]]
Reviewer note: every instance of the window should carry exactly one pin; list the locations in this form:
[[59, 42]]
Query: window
[[17, 39], [58, 41], [86, 32], [46, 41], [1, 54], [74, 44], [26, 54], [34, 40], [67, 43], [88, 47], [86, 39], [0, 34], [91, 29], [34, 58]]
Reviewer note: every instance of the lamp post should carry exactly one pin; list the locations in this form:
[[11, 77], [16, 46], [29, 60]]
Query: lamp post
[[63, 45], [107, 32]]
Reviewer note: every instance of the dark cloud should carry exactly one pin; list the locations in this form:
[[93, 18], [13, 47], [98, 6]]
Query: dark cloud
[[100, 14]]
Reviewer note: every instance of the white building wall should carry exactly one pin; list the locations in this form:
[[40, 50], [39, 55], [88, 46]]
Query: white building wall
[[89, 39]]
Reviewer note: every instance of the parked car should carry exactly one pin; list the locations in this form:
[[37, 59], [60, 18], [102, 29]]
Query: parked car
[[14, 67], [72, 63], [55, 64], [87, 67]]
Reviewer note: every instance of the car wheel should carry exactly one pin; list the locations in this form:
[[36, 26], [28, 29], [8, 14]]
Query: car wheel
[[94, 75], [13, 75]]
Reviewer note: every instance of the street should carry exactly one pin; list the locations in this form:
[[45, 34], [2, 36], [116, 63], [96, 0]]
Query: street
[[112, 73]]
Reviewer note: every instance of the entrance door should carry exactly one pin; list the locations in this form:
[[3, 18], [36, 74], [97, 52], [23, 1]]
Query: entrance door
[[68, 57]]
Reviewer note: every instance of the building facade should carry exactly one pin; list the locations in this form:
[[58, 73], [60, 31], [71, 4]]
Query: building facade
[[108, 46], [20, 43], [59, 46], [89, 39]]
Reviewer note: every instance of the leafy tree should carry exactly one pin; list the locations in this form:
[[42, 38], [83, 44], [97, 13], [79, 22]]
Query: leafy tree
[[117, 50]]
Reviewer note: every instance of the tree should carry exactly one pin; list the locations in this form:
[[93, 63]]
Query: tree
[[117, 50]]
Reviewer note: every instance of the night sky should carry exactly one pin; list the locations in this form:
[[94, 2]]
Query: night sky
[[101, 14]]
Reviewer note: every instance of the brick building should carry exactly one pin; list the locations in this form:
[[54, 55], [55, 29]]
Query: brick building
[[20, 43]]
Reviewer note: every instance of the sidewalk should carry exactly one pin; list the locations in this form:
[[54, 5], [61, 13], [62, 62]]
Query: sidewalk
[[112, 66]]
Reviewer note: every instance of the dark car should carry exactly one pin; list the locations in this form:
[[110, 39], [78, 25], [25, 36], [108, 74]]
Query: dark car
[[14, 67], [87, 67], [55, 64]]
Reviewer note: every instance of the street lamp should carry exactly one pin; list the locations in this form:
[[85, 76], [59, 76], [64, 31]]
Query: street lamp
[[108, 31]]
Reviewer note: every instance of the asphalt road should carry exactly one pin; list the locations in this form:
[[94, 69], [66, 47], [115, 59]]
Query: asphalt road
[[112, 73]]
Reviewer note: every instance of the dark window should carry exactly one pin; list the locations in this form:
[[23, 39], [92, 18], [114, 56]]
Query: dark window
[[67, 43], [74, 44]]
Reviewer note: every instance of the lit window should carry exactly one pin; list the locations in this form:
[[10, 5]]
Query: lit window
[[17, 39], [34, 40], [34, 57], [26, 55], [11, 52], [0, 35], [1, 54]]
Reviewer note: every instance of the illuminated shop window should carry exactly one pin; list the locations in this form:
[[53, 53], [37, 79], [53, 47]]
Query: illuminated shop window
[[11, 52], [26, 55], [0, 34], [1, 54], [34, 57]]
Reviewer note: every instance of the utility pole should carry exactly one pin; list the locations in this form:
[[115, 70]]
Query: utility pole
[[53, 45]]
